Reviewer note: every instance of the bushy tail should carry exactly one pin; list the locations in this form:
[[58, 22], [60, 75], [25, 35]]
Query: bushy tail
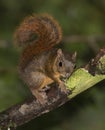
[[37, 33]]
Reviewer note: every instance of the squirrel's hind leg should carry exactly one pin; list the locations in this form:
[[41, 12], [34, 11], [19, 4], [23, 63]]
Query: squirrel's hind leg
[[40, 96], [38, 83]]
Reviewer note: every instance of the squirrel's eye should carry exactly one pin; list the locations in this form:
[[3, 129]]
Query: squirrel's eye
[[60, 64]]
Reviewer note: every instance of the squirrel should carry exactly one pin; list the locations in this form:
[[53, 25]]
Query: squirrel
[[40, 62]]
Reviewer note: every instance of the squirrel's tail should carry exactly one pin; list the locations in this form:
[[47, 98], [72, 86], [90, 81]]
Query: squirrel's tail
[[42, 29], [37, 33]]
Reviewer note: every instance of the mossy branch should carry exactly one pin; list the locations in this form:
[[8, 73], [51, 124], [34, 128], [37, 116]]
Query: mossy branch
[[81, 79]]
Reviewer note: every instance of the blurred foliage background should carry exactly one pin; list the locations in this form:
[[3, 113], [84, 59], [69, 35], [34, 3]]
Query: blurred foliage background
[[83, 18]]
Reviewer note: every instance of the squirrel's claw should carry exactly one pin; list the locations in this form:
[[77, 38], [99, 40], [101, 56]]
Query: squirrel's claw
[[64, 89]]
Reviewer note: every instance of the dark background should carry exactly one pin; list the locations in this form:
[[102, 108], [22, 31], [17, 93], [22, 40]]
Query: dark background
[[81, 18]]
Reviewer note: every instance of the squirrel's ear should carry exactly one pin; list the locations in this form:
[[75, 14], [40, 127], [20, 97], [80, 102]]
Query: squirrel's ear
[[59, 52]]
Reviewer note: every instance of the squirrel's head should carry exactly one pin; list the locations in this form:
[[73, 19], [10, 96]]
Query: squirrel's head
[[63, 67]]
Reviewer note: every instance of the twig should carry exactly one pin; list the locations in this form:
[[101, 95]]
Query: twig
[[68, 39], [82, 38], [5, 43], [91, 40]]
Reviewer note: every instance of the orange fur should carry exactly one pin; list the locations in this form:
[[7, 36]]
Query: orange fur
[[48, 34]]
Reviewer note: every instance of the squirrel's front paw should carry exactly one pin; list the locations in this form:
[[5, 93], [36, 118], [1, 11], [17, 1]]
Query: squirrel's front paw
[[64, 89]]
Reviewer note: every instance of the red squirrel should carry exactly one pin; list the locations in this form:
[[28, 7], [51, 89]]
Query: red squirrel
[[40, 62]]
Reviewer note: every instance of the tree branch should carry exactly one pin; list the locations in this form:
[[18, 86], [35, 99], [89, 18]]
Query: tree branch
[[83, 38], [71, 38], [81, 79], [92, 40]]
